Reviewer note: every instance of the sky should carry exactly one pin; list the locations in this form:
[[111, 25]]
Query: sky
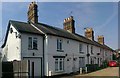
[[101, 16]]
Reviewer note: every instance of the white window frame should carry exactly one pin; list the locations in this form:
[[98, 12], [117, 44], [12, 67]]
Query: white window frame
[[92, 50], [29, 43], [35, 40], [59, 61], [32, 43], [81, 48], [59, 44]]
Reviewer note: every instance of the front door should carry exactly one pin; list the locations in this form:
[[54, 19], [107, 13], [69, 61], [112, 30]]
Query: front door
[[81, 62], [35, 69]]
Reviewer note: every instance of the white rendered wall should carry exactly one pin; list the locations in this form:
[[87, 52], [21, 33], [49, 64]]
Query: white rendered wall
[[33, 55], [24, 46], [71, 50], [12, 49]]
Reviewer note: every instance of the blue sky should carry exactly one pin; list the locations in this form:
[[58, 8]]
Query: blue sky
[[101, 16]]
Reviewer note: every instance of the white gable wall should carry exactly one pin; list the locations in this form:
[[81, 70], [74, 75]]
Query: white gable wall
[[12, 49]]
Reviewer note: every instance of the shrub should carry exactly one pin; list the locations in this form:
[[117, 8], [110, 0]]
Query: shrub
[[92, 67]]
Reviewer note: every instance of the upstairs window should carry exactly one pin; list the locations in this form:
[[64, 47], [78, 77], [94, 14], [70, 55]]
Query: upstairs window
[[87, 48], [59, 44], [92, 50], [81, 48], [32, 43]]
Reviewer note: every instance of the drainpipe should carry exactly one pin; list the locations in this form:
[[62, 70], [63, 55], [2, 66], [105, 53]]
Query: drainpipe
[[46, 68], [43, 56]]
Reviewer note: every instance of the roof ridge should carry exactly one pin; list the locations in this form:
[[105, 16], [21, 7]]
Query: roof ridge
[[54, 27], [76, 36], [18, 21]]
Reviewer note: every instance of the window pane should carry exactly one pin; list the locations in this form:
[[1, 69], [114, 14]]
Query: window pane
[[61, 64], [30, 43], [80, 47], [59, 44], [87, 49], [35, 43], [56, 64], [91, 49]]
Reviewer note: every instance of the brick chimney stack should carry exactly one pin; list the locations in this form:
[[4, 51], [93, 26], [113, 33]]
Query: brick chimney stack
[[89, 33], [101, 39], [33, 12], [69, 24]]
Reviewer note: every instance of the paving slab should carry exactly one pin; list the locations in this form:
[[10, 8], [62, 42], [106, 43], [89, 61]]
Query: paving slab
[[110, 72]]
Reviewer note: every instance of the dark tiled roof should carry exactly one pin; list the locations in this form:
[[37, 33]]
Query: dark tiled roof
[[21, 27], [24, 27], [47, 29], [63, 33]]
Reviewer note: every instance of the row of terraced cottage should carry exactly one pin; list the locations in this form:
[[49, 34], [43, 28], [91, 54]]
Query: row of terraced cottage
[[51, 50]]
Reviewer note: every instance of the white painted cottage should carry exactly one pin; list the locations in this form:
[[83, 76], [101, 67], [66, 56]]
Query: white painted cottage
[[51, 50]]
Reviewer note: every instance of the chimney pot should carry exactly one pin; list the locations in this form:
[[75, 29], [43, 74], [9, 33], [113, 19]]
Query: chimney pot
[[100, 39], [89, 33], [32, 13], [69, 24]]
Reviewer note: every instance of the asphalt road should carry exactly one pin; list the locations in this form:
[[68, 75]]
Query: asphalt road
[[110, 72]]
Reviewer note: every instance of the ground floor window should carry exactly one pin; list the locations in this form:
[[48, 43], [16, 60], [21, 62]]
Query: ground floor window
[[59, 64], [93, 60]]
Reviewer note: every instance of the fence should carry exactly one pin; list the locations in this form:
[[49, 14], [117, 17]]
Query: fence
[[15, 69]]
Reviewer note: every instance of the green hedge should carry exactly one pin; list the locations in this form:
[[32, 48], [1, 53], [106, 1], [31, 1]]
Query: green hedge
[[92, 67]]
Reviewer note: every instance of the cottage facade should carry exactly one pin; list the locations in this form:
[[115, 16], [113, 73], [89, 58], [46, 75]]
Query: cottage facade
[[50, 50]]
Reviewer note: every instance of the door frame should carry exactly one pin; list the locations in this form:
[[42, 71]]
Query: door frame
[[29, 64]]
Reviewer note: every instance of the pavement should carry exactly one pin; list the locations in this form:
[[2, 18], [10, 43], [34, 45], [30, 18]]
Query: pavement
[[110, 72]]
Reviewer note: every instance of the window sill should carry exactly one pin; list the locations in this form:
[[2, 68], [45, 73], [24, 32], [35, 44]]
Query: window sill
[[32, 49], [60, 71], [81, 52], [60, 50]]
